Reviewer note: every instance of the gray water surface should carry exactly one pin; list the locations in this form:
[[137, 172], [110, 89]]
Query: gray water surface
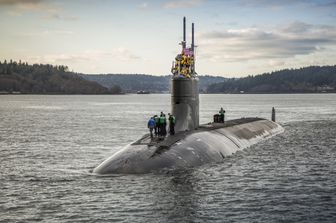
[[50, 144]]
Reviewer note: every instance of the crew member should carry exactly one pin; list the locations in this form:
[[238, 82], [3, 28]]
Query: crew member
[[171, 124], [157, 122], [162, 125], [222, 115], [151, 126]]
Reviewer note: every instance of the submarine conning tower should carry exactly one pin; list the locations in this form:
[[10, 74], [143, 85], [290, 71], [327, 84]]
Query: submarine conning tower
[[184, 86]]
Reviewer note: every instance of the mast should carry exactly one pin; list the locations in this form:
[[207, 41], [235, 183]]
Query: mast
[[193, 48], [184, 42], [192, 37]]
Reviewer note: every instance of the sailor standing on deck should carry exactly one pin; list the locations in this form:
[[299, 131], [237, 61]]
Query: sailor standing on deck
[[156, 129], [222, 115], [171, 119], [151, 126], [159, 124], [162, 125]]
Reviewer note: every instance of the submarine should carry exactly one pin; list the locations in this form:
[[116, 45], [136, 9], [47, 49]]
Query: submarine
[[193, 144]]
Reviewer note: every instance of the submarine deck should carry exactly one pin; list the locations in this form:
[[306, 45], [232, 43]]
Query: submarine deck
[[166, 142]]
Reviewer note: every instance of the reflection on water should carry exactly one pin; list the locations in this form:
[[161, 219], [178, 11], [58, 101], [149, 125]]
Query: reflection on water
[[49, 145]]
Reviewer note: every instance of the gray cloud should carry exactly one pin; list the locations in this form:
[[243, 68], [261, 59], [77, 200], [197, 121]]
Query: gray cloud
[[143, 5], [44, 7], [330, 3], [60, 17], [254, 43], [46, 33], [298, 27], [173, 4], [17, 2], [277, 3], [285, 3], [120, 54], [268, 3]]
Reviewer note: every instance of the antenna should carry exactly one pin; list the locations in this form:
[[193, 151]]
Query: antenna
[[192, 37], [184, 33]]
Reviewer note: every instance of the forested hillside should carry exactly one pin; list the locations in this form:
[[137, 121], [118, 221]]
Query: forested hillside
[[138, 82], [304, 80], [20, 77]]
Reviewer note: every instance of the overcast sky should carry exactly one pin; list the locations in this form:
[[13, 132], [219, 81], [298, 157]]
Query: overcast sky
[[234, 37]]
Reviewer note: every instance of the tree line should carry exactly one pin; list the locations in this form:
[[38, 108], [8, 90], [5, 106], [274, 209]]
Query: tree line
[[311, 79], [25, 78], [132, 83]]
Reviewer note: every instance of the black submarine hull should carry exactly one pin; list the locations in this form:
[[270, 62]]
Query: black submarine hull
[[209, 143]]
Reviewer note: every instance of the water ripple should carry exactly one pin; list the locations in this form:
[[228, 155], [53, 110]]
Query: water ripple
[[47, 154]]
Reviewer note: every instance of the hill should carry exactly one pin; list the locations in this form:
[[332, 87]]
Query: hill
[[132, 83], [18, 77], [44, 79], [304, 80]]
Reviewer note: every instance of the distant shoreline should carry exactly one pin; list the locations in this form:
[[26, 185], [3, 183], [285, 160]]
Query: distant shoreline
[[19, 93], [202, 93]]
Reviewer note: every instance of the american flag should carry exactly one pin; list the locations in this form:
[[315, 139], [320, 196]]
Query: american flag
[[188, 52]]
